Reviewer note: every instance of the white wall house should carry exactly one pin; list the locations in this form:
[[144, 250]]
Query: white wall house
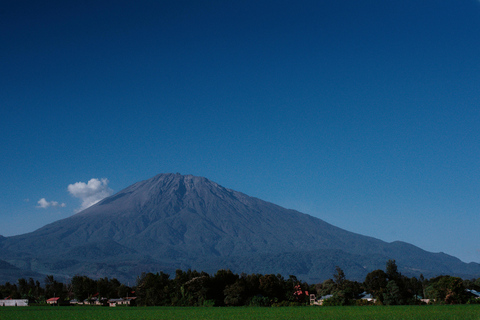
[[14, 303]]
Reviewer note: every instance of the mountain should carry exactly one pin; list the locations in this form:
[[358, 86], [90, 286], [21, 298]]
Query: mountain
[[174, 221], [10, 273]]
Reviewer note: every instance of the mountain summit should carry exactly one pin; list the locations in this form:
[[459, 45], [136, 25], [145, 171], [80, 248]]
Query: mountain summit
[[176, 221]]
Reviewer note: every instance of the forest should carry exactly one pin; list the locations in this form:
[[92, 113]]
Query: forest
[[225, 288]]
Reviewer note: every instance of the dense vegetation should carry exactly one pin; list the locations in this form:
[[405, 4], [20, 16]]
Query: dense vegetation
[[390, 287], [224, 288]]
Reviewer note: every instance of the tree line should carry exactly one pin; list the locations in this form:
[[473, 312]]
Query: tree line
[[225, 288], [390, 287], [79, 288]]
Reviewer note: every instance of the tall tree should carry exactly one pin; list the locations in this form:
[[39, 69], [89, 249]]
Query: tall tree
[[391, 270], [153, 289], [83, 287], [54, 288], [339, 278], [235, 294], [375, 283]]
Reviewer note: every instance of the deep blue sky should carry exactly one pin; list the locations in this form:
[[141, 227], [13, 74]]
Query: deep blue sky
[[365, 114]]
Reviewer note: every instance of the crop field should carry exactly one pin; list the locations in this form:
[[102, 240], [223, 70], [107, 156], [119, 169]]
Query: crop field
[[460, 312]]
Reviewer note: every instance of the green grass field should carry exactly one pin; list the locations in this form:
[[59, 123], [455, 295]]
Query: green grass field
[[460, 312]]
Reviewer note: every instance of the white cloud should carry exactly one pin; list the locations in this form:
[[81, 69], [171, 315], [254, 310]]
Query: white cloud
[[91, 192], [43, 203]]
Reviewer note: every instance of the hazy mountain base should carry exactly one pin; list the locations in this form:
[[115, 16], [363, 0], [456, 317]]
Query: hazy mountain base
[[312, 266], [11, 273]]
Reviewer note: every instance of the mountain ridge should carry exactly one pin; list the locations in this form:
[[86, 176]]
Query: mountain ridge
[[183, 221]]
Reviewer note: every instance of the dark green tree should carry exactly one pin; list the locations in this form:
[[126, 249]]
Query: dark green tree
[[196, 291], [391, 270], [219, 282], [339, 278], [376, 283], [392, 295], [343, 291], [54, 288], [83, 287], [236, 293], [9, 290], [153, 289], [326, 287], [400, 291], [30, 290], [446, 289], [271, 287], [252, 286]]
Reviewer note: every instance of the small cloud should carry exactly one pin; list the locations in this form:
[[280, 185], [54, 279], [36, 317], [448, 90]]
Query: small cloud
[[91, 192], [43, 203], [26, 200]]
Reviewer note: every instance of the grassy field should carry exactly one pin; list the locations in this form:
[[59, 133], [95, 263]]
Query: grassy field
[[460, 312]]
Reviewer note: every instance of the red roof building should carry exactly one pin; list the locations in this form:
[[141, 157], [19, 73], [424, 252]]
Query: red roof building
[[54, 300]]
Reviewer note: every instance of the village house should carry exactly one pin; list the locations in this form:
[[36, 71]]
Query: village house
[[53, 301], [115, 302], [367, 297], [473, 293], [319, 302], [14, 303]]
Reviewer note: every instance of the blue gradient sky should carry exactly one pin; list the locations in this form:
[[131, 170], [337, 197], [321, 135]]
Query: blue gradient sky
[[365, 114]]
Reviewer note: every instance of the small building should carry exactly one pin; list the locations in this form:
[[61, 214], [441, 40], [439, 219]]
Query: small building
[[53, 301], [319, 302], [14, 303], [473, 293], [367, 297], [130, 301], [95, 300], [313, 300], [323, 298], [115, 302]]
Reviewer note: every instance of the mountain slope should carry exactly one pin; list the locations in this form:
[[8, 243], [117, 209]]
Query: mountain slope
[[173, 221]]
